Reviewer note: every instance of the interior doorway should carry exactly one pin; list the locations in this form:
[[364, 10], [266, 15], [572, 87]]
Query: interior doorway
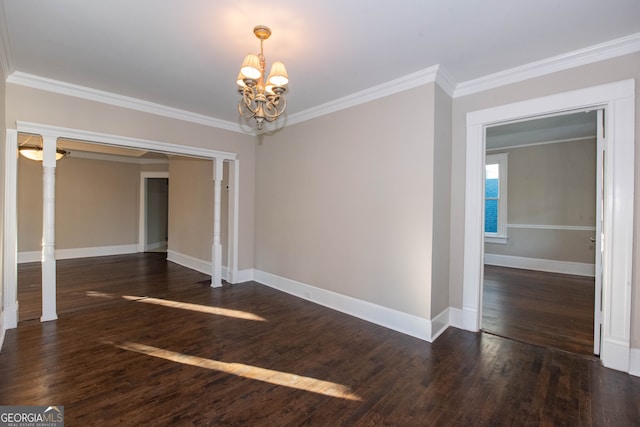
[[154, 212], [540, 220], [617, 99]]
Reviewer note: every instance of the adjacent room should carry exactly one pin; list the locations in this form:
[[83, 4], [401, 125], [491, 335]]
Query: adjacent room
[[541, 211]]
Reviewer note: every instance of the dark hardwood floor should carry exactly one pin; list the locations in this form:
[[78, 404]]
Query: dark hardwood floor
[[548, 309], [160, 348]]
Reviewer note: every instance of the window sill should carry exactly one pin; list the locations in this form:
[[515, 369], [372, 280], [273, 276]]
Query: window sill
[[502, 240]]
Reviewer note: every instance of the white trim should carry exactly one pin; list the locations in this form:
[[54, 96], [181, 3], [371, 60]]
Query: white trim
[[410, 81], [83, 92], [233, 275], [618, 100], [439, 324], [142, 207], [553, 227], [203, 266], [188, 261], [36, 256], [538, 264], [2, 334], [634, 362], [455, 317], [500, 240], [534, 144], [409, 324], [244, 276], [607, 50], [122, 141], [10, 237]]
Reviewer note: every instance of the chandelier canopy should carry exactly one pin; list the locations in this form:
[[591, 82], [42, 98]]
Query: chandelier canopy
[[261, 99]]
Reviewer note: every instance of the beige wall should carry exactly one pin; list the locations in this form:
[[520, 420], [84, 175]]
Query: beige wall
[[551, 184], [96, 204], [32, 105], [191, 190], [616, 69], [344, 202], [441, 203]]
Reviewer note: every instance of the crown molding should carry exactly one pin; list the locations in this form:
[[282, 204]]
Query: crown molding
[[436, 74], [410, 81], [446, 81], [607, 50], [69, 89]]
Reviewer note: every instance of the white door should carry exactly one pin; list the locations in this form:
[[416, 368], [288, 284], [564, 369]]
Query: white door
[[598, 239]]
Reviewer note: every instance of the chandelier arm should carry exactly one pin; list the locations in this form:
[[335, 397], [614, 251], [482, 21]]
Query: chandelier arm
[[244, 111], [275, 107], [248, 106]]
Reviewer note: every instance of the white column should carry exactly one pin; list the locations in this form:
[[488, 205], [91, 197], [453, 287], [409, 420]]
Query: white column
[[10, 253], [216, 249], [48, 229], [234, 203]]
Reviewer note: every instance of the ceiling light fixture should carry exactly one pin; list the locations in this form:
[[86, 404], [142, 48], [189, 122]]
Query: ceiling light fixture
[[33, 152], [261, 99]]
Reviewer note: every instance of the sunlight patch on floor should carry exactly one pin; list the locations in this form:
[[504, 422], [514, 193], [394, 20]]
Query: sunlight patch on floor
[[238, 314], [284, 379], [99, 294]]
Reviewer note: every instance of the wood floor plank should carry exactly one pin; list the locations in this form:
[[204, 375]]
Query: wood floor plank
[[264, 358], [548, 309]]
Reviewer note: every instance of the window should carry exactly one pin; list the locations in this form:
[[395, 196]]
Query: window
[[495, 198]]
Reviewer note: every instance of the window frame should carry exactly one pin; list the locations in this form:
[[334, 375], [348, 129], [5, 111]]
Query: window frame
[[501, 159]]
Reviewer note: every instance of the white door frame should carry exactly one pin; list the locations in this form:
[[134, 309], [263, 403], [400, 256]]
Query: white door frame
[[618, 101], [10, 258], [142, 219]]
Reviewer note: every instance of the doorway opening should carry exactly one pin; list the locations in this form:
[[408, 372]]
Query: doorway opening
[[617, 99], [154, 212], [542, 207], [113, 142]]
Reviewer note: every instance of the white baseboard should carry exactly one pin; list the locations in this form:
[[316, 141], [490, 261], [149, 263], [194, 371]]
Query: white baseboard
[[634, 362], [205, 266], [10, 316], [383, 316], [552, 266], [615, 354], [2, 331], [455, 317], [35, 256], [439, 324], [190, 262], [245, 275], [470, 319]]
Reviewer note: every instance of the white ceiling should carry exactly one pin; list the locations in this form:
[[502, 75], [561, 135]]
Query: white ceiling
[[186, 53]]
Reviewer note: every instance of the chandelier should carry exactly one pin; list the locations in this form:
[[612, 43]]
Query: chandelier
[[261, 99]]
